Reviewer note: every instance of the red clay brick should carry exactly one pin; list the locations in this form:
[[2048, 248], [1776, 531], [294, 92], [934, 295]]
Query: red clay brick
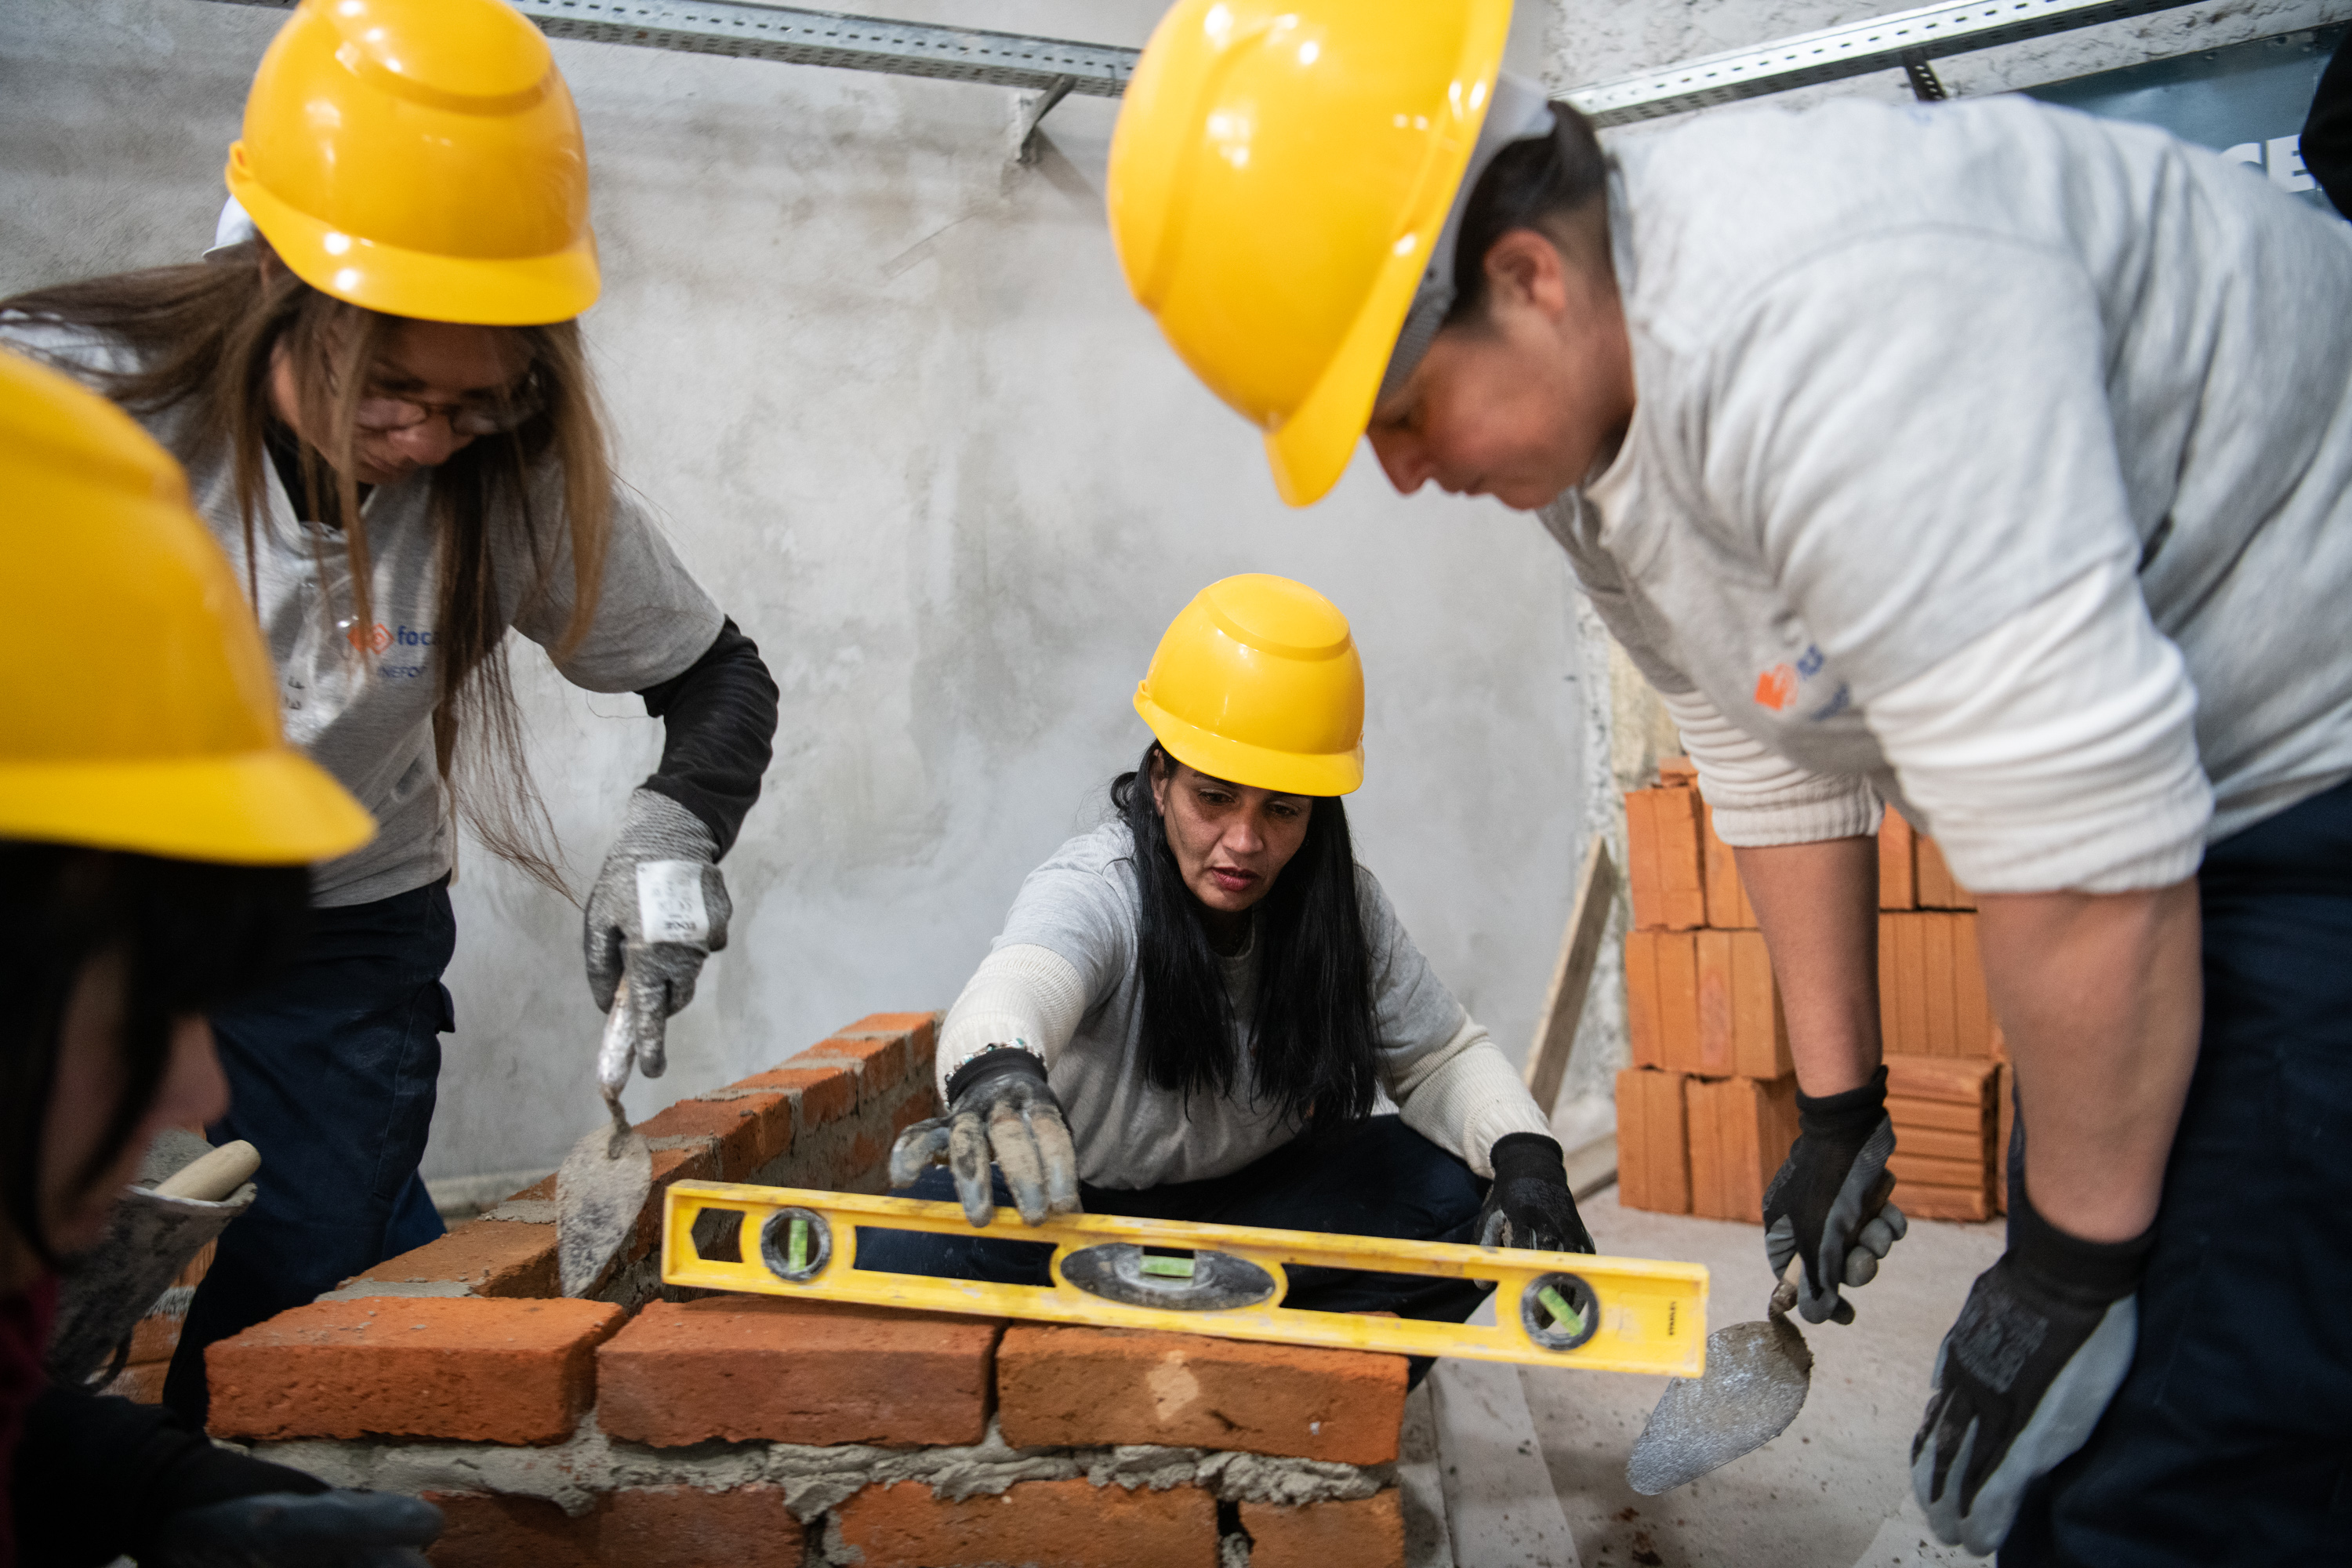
[[823, 1093], [1641, 1025], [461, 1368], [1942, 1142], [647, 1527], [749, 1369], [1759, 1031], [1678, 1000], [696, 1162], [1937, 976], [154, 1337], [142, 1382], [1080, 1386], [1367, 1534], [749, 1132], [1678, 772], [1682, 871], [1641, 860], [1039, 1524], [1910, 985], [1959, 1083], [539, 1191], [1653, 1141], [1933, 1115], [1717, 1037], [1921, 1202], [921, 1029], [1702, 1113], [684, 1527], [1971, 1006], [490, 1258], [881, 1059]]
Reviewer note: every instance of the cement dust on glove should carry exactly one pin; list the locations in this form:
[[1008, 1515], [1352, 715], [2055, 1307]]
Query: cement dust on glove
[[1000, 1110]]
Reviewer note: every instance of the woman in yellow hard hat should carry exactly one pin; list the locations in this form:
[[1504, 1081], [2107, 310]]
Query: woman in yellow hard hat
[[1192, 1010], [386, 412], [155, 831], [1986, 460]]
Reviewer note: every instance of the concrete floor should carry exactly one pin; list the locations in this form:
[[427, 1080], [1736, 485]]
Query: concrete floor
[[1832, 1490]]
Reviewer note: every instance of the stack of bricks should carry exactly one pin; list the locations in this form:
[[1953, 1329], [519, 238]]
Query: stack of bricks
[[1708, 1112], [660, 1427]]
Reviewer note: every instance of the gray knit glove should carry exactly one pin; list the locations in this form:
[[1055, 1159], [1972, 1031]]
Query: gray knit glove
[[659, 908]]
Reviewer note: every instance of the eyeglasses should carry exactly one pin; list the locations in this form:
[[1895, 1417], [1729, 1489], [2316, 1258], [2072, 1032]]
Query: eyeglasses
[[381, 414]]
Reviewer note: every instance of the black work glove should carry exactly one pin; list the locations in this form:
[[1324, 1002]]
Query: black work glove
[[1828, 1201], [2026, 1372], [999, 1106], [288, 1530], [1530, 1204]]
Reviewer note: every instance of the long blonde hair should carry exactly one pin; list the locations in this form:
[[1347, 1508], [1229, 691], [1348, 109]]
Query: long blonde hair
[[208, 336]]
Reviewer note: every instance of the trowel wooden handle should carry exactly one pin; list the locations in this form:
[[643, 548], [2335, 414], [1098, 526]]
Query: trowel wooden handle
[[211, 1177]]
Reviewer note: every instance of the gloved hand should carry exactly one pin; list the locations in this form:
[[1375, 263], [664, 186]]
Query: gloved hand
[[291, 1529], [660, 907], [2026, 1372], [1530, 1204], [1828, 1201], [997, 1105]]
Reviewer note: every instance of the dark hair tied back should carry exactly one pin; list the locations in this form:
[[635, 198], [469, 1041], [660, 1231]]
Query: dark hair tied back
[[1532, 184], [1312, 1042]]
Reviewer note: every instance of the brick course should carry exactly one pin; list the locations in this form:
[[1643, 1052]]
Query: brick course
[[751, 1368], [643, 1527], [1039, 1524], [1058, 1385], [463, 1368]]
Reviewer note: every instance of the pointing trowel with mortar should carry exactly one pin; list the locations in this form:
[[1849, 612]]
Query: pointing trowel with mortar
[[1757, 1377], [603, 1185]]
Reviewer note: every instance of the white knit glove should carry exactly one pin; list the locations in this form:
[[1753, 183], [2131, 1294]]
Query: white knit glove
[[658, 909]]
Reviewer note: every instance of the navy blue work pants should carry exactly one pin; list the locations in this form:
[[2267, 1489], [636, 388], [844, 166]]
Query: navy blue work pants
[[1375, 1177], [2230, 1440], [330, 1073]]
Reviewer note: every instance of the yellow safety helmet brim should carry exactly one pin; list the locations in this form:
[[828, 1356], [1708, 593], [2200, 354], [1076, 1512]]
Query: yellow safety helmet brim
[[495, 292], [1260, 767], [143, 709], [265, 808], [1209, 90]]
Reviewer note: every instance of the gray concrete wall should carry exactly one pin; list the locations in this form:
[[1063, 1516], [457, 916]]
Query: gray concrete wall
[[893, 402]]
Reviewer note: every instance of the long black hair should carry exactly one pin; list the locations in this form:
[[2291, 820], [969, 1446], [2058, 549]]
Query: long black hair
[[191, 935], [1312, 1038], [1538, 184]]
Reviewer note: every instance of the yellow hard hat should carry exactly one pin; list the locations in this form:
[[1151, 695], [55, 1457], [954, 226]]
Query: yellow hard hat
[[1256, 681], [1282, 179], [143, 713], [422, 158]]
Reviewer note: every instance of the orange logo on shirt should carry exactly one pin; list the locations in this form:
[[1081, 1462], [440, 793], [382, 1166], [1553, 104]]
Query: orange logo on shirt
[[1776, 687], [370, 639]]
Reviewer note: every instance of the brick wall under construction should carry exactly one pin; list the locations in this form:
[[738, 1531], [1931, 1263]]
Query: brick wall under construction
[[660, 1427], [1708, 1110]]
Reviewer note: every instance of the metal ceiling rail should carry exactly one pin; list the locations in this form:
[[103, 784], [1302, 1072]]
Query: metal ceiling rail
[[751, 31], [1833, 54], [825, 38]]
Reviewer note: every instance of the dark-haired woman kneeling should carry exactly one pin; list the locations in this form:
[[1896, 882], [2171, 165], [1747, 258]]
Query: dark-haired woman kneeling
[[1192, 1010]]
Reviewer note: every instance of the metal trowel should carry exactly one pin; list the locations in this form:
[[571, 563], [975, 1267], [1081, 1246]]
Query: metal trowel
[[602, 1186], [1755, 1382]]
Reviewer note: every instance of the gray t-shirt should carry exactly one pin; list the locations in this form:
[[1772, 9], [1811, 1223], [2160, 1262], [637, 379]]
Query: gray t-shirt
[[360, 701], [1904, 373], [1083, 904]]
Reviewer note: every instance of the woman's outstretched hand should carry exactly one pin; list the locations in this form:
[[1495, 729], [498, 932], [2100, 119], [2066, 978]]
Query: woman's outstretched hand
[[1000, 1108]]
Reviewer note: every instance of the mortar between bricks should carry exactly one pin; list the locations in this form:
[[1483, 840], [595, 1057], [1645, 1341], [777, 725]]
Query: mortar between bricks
[[825, 1119]]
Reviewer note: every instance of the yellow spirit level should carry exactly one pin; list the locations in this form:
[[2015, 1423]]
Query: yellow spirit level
[[1553, 1308]]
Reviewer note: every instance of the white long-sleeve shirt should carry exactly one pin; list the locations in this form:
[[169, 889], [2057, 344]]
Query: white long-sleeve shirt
[[1060, 981], [1989, 460]]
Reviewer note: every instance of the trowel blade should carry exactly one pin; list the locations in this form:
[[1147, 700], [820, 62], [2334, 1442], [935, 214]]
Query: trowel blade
[[1755, 1382], [600, 1190]]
